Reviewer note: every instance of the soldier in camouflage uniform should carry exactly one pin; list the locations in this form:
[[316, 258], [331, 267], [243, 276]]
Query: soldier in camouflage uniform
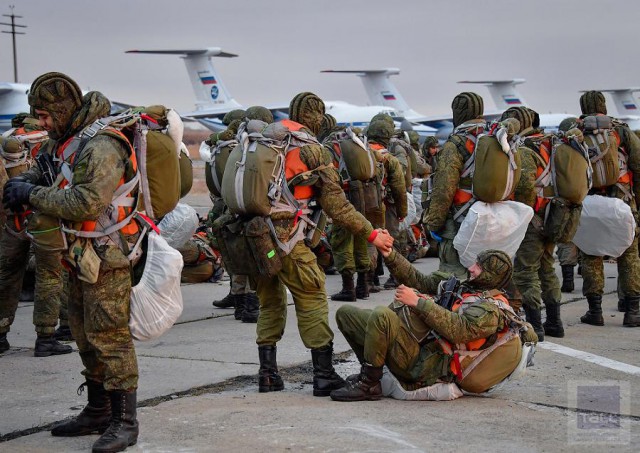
[[593, 103], [467, 111], [98, 312], [378, 337], [534, 273], [300, 272], [350, 252], [241, 297], [15, 248], [394, 208]]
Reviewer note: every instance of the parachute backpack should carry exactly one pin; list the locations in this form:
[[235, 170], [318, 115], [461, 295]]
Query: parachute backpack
[[255, 186], [491, 162], [216, 157], [602, 142], [358, 169]]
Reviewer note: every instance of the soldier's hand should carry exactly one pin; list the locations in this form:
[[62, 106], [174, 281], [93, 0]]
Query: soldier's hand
[[407, 296], [383, 242], [16, 194]]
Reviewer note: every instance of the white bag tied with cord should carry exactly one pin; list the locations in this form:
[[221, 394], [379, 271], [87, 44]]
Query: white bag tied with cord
[[611, 221], [499, 226], [156, 301], [179, 225], [440, 391]]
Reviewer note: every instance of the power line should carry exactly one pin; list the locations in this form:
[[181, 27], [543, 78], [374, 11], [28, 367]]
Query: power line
[[13, 32]]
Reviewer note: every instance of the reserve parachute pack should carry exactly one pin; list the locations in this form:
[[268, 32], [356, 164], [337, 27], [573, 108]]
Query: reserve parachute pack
[[15, 151], [358, 170], [395, 144], [215, 157], [602, 142], [563, 181], [491, 162], [263, 176]]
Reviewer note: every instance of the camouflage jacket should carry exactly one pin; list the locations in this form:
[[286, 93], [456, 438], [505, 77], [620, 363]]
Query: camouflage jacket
[[445, 184], [631, 144], [394, 178], [526, 190], [328, 193], [399, 149]]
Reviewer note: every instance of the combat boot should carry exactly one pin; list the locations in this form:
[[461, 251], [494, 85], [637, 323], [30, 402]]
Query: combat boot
[[95, 416], [375, 283], [622, 304], [47, 345], [4, 343], [391, 283], [227, 301], [325, 378], [632, 315], [268, 378], [123, 428], [594, 315], [366, 388], [240, 303], [362, 286], [63, 333], [251, 308], [567, 279], [534, 318], [348, 291], [553, 324]]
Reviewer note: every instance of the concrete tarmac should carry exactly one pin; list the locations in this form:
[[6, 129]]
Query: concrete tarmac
[[198, 390]]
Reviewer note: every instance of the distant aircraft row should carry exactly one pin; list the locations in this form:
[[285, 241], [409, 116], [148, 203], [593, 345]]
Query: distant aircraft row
[[213, 99]]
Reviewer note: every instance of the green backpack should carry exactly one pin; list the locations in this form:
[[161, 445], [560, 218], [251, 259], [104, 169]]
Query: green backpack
[[186, 173], [494, 165], [355, 161], [602, 143], [570, 169], [215, 168]]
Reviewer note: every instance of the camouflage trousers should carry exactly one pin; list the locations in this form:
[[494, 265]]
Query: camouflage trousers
[[567, 254], [306, 281], [239, 284], [99, 321], [447, 253], [378, 338], [533, 271], [628, 273], [350, 253], [392, 224], [14, 258]]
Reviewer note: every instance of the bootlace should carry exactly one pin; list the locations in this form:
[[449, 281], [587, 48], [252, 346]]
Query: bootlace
[[81, 388]]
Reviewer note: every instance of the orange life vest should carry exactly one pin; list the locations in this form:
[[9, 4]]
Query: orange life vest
[[123, 212]]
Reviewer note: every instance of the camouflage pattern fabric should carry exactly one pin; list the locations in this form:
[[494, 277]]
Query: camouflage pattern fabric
[[350, 253], [465, 107], [239, 284], [534, 273], [98, 313], [567, 254], [14, 259], [306, 281], [392, 224], [99, 321], [400, 153], [409, 276], [233, 115], [257, 112], [592, 102]]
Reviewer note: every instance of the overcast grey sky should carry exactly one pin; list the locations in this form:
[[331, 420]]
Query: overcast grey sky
[[559, 46]]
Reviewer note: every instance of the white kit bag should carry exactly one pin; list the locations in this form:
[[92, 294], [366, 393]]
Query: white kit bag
[[499, 226], [179, 225], [606, 227], [156, 301]]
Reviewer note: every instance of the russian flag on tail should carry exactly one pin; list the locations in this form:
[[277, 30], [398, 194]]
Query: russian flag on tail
[[388, 96], [630, 105], [511, 100], [208, 80]]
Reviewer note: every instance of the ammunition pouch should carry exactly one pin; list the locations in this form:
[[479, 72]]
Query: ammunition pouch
[[247, 246], [364, 195], [561, 219]]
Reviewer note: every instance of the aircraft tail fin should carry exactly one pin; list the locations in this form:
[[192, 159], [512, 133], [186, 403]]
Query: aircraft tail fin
[[380, 90], [624, 100], [210, 92], [503, 92]]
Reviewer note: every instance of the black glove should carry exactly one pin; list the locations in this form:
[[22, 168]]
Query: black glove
[[16, 194]]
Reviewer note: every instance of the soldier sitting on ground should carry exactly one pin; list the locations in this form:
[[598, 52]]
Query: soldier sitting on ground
[[381, 336]]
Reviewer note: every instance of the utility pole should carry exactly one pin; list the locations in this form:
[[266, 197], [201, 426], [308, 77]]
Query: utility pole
[[13, 32]]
